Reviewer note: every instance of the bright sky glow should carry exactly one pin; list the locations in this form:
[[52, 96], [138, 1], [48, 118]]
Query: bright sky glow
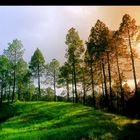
[[45, 27]]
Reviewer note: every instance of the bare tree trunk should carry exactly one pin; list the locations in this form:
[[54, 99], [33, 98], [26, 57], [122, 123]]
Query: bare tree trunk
[[14, 84], [133, 64], [5, 92], [110, 88], [106, 93], [92, 83], [84, 89], [75, 81], [1, 93], [30, 97], [120, 80], [118, 107], [54, 78], [67, 89], [9, 93], [102, 82], [72, 86], [19, 90], [39, 92]]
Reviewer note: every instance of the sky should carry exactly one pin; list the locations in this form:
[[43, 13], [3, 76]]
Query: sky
[[45, 27]]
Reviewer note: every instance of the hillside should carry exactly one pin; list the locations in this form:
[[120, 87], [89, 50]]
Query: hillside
[[63, 121]]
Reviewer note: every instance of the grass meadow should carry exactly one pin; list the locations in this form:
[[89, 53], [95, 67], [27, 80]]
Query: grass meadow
[[63, 121]]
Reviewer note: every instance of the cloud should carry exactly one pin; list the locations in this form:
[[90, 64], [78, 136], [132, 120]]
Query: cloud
[[46, 27]]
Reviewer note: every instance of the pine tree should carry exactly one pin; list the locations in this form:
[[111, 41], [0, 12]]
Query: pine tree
[[37, 67], [74, 51]]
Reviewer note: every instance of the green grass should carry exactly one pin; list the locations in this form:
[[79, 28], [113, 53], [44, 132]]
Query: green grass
[[63, 121]]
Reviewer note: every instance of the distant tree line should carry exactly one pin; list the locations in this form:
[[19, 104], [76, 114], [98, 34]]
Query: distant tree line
[[93, 73], [17, 77]]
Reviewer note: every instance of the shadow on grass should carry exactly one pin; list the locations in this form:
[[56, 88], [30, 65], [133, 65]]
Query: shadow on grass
[[98, 131], [67, 121], [130, 132], [6, 111]]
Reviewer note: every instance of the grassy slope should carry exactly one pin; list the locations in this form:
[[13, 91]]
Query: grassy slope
[[64, 121]]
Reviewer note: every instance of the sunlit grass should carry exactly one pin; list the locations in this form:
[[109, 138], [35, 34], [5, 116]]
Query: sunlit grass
[[60, 121]]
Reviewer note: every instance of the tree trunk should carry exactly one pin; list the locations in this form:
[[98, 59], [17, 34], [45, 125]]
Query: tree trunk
[[14, 84], [1, 92], [84, 89], [9, 93], [106, 93], [30, 97], [118, 107], [92, 83], [110, 88], [133, 64], [54, 78], [5, 95], [120, 80], [67, 89], [19, 90], [102, 82], [73, 86], [75, 82], [39, 92]]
